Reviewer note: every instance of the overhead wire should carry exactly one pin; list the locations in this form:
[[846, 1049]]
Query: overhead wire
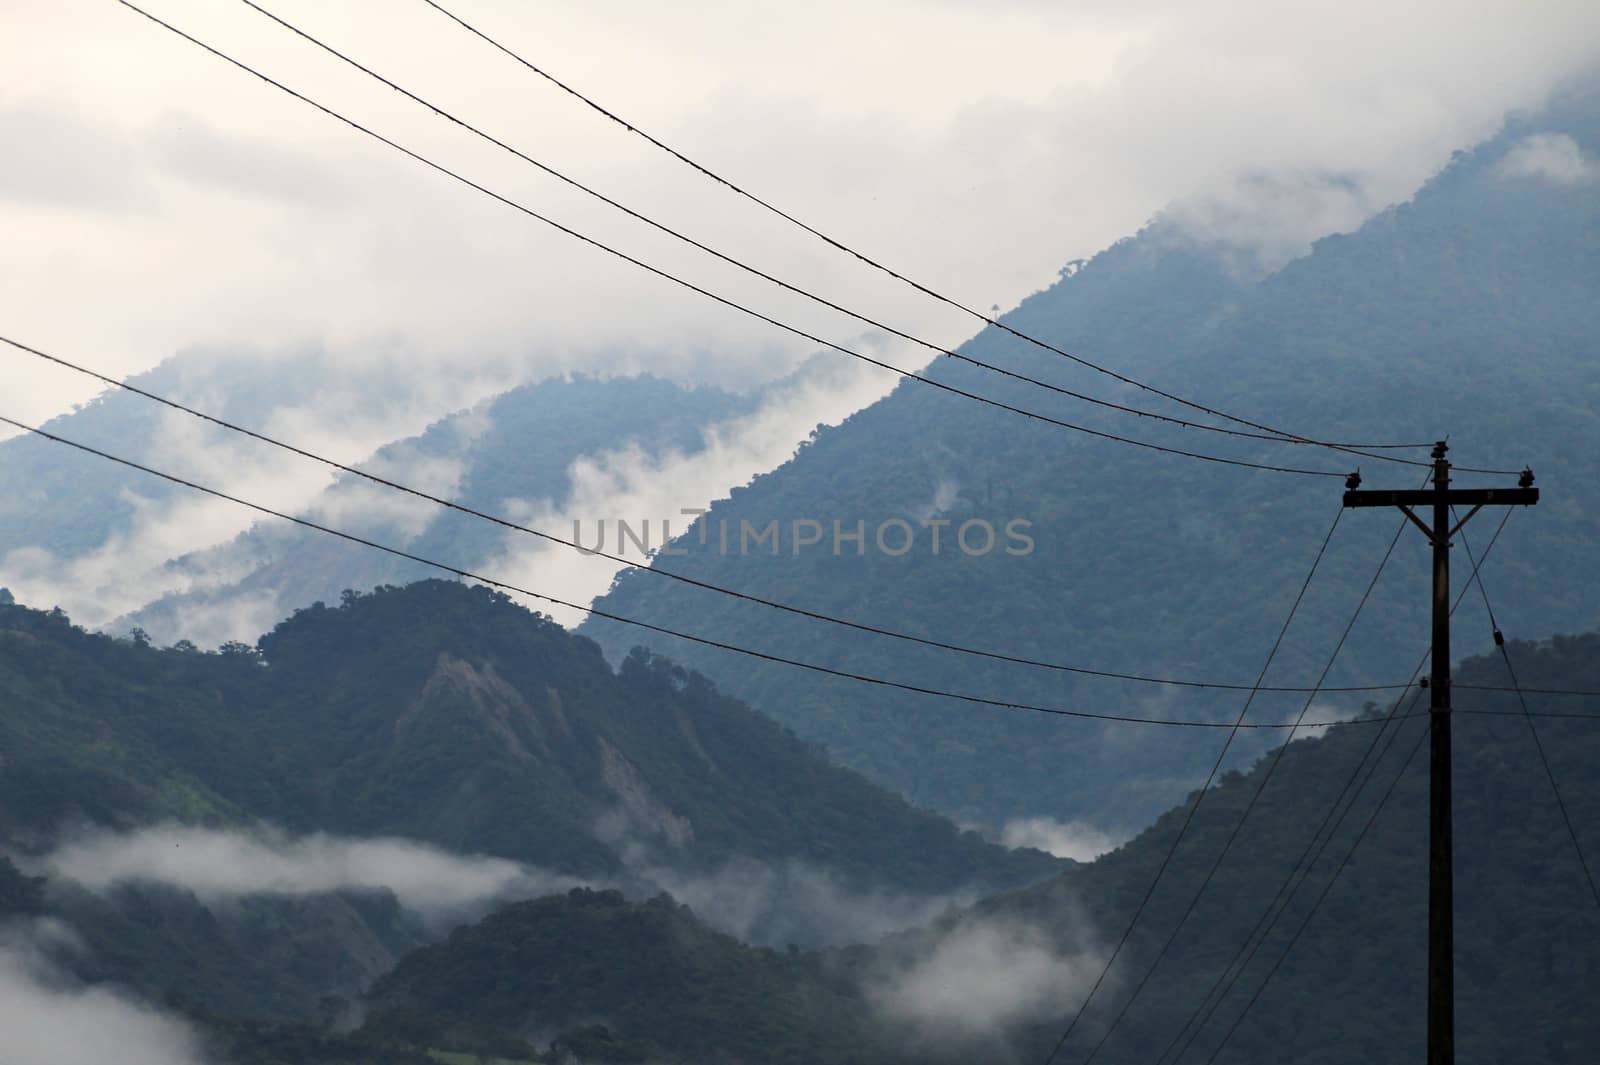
[[593, 611], [749, 597], [1250, 804], [904, 279], [723, 300], [1533, 728], [1530, 713], [1353, 448], [1277, 435], [1588, 693], [1317, 904], [1194, 806], [1231, 973], [1313, 852]]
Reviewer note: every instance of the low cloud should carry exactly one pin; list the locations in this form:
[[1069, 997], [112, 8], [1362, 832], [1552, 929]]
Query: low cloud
[[208, 620], [1554, 158], [356, 505], [222, 866], [776, 903], [1258, 221], [47, 1017], [361, 402], [197, 553], [945, 494], [983, 977], [1065, 839], [773, 903], [649, 489], [1324, 713], [167, 173]]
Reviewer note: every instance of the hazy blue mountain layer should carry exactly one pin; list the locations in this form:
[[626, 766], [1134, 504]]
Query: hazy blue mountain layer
[[1469, 311], [510, 453]]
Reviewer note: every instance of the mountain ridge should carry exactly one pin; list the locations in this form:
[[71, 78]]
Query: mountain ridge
[[1156, 565]]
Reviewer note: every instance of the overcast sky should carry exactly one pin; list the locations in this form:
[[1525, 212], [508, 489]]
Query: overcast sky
[[153, 198]]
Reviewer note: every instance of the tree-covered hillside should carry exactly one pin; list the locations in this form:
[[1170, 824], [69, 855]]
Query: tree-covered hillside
[[1469, 311], [447, 714], [660, 978], [1351, 989], [436, 713]]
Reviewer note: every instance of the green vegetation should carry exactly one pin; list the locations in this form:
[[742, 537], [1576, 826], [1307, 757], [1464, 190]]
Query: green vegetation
[[438, 713], [1470, 310], [451, 715], [658, 975], [1351, 990]]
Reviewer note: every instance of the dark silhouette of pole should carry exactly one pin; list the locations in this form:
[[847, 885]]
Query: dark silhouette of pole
[[1441, 823], [1441, 866]]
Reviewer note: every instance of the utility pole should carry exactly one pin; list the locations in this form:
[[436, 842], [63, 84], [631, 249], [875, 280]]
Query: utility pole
[[1441, 874]]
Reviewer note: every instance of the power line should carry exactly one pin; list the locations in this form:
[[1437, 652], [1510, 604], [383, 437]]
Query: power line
[[1250, 804], [1251, 946], [1533, 729], [1530, 713], [925, 290], [691, 286], [649, 568], [1295, 938], [1354, 448], [837, 244], [648, 626], [1315, 848], [1193, 807], [1587, 693]]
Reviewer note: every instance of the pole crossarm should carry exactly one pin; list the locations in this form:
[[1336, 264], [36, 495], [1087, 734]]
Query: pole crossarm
[[1421, 497]]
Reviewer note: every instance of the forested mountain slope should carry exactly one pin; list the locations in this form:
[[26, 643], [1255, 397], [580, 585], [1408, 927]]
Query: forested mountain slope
[[438, 714], [973, 985], [446, 714], [1469, 311]]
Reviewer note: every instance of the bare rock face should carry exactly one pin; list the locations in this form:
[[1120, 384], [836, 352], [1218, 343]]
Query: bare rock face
[[496, 705], [642, 806]]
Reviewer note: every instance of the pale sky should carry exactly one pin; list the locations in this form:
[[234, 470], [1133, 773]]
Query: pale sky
[[153, 198]]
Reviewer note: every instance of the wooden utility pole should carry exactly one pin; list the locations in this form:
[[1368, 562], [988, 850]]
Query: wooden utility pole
[[1441, 873]]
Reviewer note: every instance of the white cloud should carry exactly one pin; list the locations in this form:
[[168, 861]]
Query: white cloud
[[134, 566], [182, 201], [359, 403], [771, 902], [983, 976], [218, 866], [777, 903], [1065, 839], [47, 1018], [1261, 220], [655, 489], [1552, 157], [357, 505], [235, 616]]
